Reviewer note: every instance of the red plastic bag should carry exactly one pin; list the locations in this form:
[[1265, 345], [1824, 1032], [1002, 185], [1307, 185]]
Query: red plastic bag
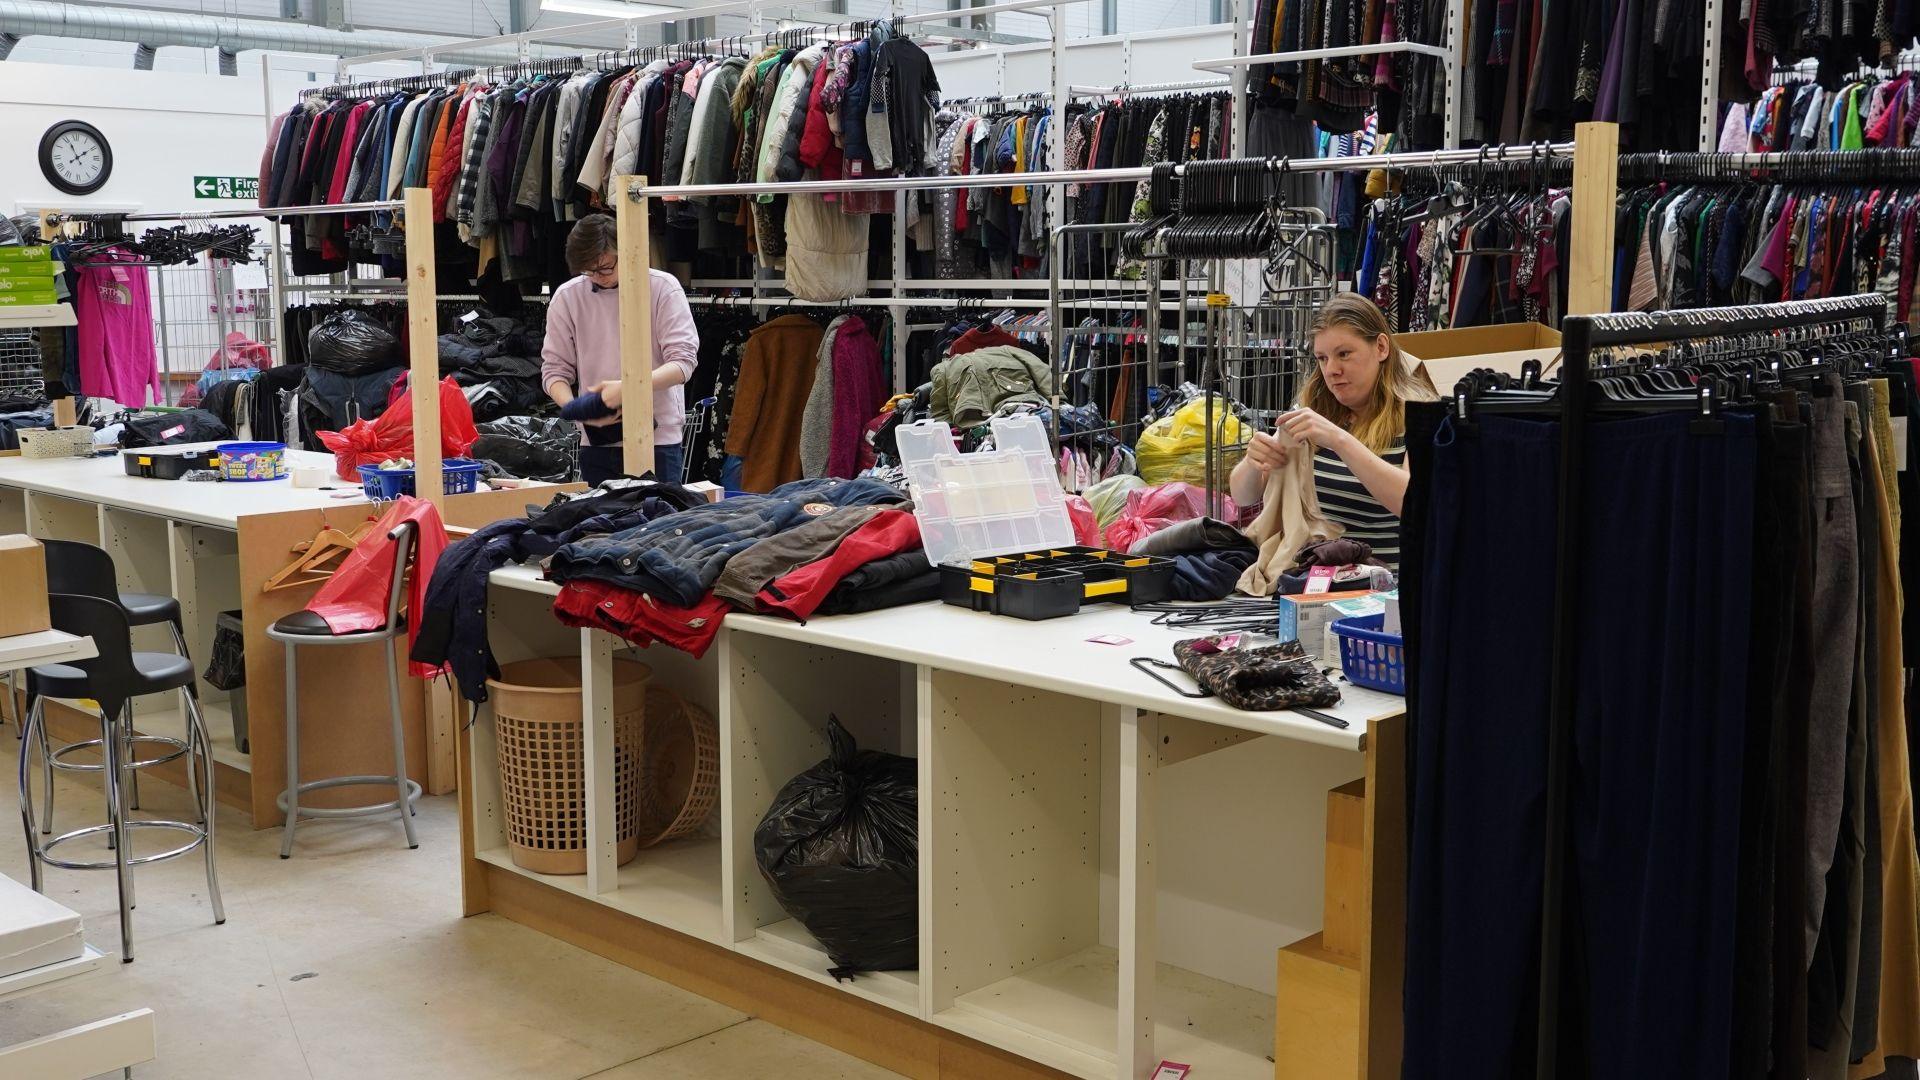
[[1151, 509], [355, 597], [370, 442], [1086, 528]]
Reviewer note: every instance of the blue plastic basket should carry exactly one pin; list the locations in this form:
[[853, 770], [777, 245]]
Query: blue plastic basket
[[459, 476], [250, 462], [1370, 658]]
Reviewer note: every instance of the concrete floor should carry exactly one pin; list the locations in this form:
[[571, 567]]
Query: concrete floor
[[351, 961]]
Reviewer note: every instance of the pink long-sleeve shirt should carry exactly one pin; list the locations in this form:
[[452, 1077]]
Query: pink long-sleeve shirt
[[583, 344]]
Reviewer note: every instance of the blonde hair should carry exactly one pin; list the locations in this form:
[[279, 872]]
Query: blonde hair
[[1385, 417]]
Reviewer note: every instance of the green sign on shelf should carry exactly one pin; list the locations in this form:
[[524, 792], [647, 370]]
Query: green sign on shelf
[[227, 187]]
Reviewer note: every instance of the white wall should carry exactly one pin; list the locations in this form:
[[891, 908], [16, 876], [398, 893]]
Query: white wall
[[164, 128]]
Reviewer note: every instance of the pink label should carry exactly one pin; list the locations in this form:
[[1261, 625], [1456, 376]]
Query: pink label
[[1320, 579], [179, 429]]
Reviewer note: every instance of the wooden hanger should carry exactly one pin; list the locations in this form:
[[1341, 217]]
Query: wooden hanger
[[310, 565]]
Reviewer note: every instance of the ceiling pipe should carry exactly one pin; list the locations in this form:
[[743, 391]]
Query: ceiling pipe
[[153, 29]]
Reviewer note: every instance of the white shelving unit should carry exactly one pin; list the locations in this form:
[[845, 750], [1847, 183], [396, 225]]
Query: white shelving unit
[[1106, 869], [30, 317]]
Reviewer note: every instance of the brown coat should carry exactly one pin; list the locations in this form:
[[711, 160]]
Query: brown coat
[[776, 375]]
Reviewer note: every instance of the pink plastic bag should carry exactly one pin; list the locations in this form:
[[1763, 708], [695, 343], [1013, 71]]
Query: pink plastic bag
[[238, 355], [1086, 529], [390, 435], [1151, 509]]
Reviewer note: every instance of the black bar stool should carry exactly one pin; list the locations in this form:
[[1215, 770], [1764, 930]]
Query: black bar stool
[[79, 569], [113, 678], [306, 628]]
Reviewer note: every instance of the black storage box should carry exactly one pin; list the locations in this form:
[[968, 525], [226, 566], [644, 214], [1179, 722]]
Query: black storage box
[[168, 464], [1057, 581]]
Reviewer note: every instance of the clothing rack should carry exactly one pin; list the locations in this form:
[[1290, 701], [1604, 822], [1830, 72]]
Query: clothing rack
[[1890, 163], [1132, 89], [1595, 149], [1581, 337], [641, 191]]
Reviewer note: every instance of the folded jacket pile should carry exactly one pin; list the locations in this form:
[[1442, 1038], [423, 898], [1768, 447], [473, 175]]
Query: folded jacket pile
[[790, 552], [453, 628]]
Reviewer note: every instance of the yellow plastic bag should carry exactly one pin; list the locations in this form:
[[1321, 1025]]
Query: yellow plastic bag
[[1175, 447]]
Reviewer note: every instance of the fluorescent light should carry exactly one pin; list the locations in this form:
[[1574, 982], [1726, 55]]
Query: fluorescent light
[[607, 9]]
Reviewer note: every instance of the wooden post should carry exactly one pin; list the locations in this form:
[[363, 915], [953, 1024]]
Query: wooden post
[[636, 326], [1596, 168], [423, 348]]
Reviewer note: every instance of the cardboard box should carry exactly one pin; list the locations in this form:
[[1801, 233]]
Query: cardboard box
[[1443, 356], [25, 253], [1305, 618], [23, 604]]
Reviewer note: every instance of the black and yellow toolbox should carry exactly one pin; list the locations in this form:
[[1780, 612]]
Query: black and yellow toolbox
[[995, 522], [1057, 581], [168, 464]]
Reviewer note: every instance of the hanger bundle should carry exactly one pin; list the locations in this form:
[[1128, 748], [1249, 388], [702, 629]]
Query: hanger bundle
[[315, 560]]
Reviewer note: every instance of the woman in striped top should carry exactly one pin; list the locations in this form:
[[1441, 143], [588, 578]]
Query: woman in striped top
[[1353, 412]]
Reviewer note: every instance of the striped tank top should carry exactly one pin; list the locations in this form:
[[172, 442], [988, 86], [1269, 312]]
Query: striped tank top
[[1346, 502]]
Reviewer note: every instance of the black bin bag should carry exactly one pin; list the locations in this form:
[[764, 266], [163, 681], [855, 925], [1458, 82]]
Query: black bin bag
[[530, 447], [352, 342], [840, 848]]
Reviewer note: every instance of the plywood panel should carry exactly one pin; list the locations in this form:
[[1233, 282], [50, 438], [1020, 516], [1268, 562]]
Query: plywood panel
[[779, 696], [1016, 828], [1316, 1013], [1345, 927], [343, 687], [343, 698]]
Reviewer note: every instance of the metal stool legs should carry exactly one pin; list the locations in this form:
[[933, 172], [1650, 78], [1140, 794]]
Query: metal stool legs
[[400, 780], [115, 746], [405, 791], [292, 795]]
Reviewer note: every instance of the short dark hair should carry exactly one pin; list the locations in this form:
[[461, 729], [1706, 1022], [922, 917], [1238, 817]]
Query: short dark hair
[[592, 238]]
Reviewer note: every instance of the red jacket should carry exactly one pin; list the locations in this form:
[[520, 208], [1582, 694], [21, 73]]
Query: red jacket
[[355, 598]]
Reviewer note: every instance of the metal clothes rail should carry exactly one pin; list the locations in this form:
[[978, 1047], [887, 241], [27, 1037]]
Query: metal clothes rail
[[1417, 160]]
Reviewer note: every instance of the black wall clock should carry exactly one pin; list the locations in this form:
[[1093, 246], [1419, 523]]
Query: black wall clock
[[75, 157]]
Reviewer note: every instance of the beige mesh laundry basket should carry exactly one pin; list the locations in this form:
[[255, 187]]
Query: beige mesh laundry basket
[[542, 744], [679, 770]]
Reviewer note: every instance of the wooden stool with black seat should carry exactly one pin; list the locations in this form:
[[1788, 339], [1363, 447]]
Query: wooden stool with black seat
[[307, 628]]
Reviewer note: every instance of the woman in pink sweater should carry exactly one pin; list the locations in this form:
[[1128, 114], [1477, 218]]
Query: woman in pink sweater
[[582, 352]]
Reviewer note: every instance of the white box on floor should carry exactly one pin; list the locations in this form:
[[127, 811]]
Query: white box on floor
[[34, 931]]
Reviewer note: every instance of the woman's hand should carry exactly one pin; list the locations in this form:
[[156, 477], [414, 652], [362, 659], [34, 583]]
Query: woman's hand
[[610, 396], [1308, 426], [1266, 453]]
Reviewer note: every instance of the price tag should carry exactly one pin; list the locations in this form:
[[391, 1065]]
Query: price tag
[[1320, 579]]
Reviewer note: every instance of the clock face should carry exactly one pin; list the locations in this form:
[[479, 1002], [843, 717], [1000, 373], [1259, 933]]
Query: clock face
[[75, 157]]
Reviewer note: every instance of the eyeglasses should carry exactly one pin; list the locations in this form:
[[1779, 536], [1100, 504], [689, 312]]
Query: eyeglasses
[[608, 270]]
